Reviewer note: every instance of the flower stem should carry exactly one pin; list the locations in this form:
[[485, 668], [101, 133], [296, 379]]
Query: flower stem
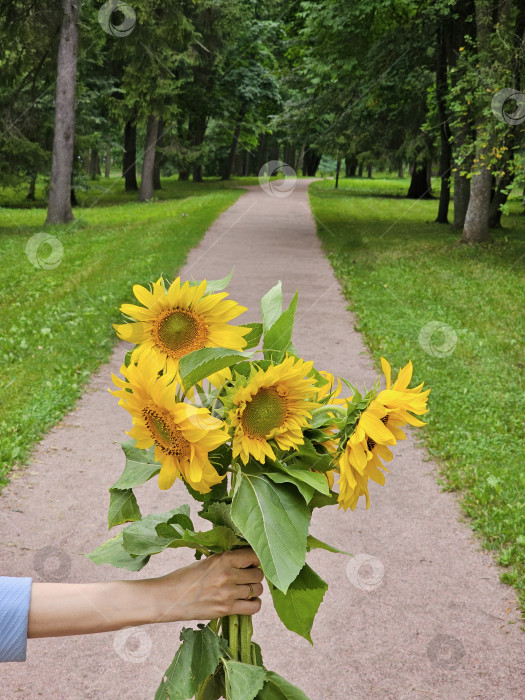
[[246, 629], [234, 635], [215, 625]]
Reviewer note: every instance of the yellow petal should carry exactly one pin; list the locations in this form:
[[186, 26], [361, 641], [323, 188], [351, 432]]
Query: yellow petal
[[387, 371]]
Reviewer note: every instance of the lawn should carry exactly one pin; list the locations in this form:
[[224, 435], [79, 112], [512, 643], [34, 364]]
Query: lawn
[[400, 272], [56, 323]]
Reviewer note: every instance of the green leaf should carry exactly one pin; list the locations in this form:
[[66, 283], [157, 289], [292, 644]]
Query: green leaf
[[199, 364], [274, 519], [277, 339], [305, 490], [142, 538], [306, 456], [195, 660], [320, 500], [138, 470], [219, 513], [313, 543], [298, 608], [243, 681], [245, 368], [272, 306], [182, 518], [257, 654], [123, 507], [137, 455], [113, 552], [314, 479], [322, 416], [218, 539], [254, 336], [277, 688], [215, 689], [218, 285]]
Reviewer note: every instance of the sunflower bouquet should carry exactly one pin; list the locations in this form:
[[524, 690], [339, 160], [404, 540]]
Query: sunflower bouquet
[[257, 435]]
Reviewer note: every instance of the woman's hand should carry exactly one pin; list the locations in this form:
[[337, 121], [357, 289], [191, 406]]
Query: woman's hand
[[223, 584]]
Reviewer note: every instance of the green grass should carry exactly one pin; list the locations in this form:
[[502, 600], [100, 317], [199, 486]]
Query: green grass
[[399, 271], [56, 323]]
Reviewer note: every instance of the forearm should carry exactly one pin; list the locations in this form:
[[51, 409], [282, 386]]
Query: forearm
[[59, 609]]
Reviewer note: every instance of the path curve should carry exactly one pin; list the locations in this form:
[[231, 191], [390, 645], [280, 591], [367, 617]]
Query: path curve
[[424, 617]]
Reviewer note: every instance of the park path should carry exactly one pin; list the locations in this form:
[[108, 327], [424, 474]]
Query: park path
[[419, 613]]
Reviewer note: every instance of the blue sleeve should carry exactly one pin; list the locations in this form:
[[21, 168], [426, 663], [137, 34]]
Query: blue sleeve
[[15, 596]]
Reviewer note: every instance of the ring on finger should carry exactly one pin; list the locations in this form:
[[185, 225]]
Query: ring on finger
[[250, 596]]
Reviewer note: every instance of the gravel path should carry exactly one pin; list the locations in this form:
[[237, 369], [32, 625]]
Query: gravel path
[[418, 613]]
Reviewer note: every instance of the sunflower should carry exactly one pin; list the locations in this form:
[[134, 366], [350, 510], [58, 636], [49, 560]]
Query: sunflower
[[275, 404], [378, 427], [183, 434], [173, 323], [400, 400], [360, 459]]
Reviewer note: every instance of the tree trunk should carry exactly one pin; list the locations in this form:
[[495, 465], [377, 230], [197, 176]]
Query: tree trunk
[[360, 170], [337, 171], [445, 157], [476, 229], [158, 157], [146, 180], [94, 164], [233, 149], [31, 189], [129, 168], [400, 172], [369, 169], [74, 200], [247, 163], [461, 199], [59, 206], [350, 166], [107, 161], [300, 158], [262, 154], [199, 132], [501, 194], [419, 188], [311, 162]]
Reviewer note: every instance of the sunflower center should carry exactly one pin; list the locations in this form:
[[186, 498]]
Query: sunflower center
[[370, 444], [265, 412], [179, 331], [164, 431]]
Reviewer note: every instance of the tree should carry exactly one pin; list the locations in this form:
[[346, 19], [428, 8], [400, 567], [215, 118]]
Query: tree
[[59, 205], [146, 181], [492, 57]]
